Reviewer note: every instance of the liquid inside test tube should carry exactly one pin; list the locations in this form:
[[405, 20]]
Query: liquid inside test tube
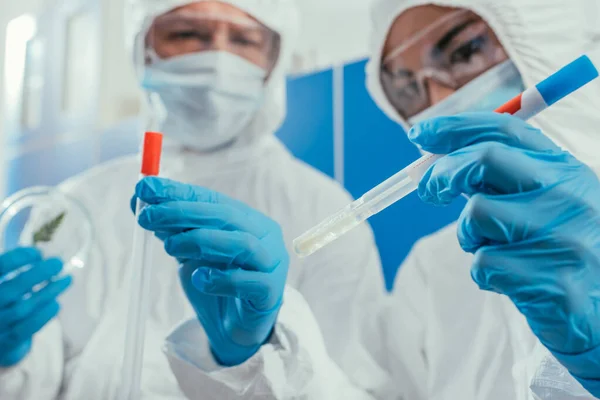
[[372, 202], [326, 232]]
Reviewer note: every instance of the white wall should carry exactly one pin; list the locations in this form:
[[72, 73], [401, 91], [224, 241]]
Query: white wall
[[333, 32], [8, 11], [119, 96]]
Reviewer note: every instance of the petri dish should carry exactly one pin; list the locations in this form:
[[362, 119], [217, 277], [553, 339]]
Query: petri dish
[[49, 219]]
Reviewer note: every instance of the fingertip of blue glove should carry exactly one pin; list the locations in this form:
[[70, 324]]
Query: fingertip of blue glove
[[465, 239], [31, 251], [145, 187], [201, 277], [65, 282], [145, 217], [60, 285], [170, 245], [423, 189], [16, 355], [478, 277], [149, 188], [27, 254], [424, 194], [54, 307], [54, 265], [133, 203], [425, 135], [416, 131]]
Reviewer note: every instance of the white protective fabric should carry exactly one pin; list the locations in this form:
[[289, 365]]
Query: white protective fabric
[[76, 355]]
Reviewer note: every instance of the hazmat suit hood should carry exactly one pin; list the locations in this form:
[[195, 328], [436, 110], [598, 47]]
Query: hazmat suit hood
[[281, 16], [539, 36]]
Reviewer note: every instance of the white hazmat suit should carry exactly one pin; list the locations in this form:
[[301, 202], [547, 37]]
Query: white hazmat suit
[[438, 336], [476, 345], [74, 357]]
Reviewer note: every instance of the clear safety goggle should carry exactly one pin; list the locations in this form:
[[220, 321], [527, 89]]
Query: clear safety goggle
[[452, 51], [182, 32]]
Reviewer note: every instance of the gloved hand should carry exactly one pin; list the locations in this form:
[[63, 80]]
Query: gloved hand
[[23, 312], [532, 221], [233, 262]]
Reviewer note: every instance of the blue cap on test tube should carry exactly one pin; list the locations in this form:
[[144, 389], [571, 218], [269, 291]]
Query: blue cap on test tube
[[567, 80]]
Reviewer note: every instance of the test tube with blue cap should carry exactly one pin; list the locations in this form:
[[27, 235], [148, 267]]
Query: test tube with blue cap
[[525, 106]]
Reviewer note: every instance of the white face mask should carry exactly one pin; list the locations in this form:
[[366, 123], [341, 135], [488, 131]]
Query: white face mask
[[485, 93], [206, 98]]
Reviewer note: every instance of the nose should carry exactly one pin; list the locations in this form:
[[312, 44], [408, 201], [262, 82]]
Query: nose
[[221, 38], [437, 91]]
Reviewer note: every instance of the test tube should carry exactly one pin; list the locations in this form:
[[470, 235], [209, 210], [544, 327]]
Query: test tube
[[140, 275], [526, 105]]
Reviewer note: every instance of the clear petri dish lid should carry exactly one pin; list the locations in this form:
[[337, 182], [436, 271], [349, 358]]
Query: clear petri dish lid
[[51, 220]]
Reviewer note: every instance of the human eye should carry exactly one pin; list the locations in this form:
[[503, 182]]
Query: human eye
[[465, 52]]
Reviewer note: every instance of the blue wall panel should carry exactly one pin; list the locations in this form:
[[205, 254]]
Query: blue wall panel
[[308, 128], [375, 149]]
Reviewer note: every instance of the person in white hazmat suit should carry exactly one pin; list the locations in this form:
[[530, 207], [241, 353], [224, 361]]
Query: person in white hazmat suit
[[216, 73], [458, 342], [439, 336]]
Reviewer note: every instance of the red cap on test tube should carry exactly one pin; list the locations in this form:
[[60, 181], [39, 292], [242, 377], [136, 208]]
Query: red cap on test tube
[[151, 153]]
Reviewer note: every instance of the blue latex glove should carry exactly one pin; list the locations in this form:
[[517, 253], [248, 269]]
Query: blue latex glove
[[22, 311], [532, 221], [233, 262]]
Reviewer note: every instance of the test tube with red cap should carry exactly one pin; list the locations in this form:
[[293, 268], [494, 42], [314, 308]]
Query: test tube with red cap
[[140, 274]]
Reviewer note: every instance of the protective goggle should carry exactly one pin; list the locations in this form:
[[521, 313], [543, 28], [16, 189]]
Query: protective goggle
[[183, 32], [452, 51]]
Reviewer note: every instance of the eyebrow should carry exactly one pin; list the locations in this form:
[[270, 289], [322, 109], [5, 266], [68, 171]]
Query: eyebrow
[[246, 29], [445, 41]]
